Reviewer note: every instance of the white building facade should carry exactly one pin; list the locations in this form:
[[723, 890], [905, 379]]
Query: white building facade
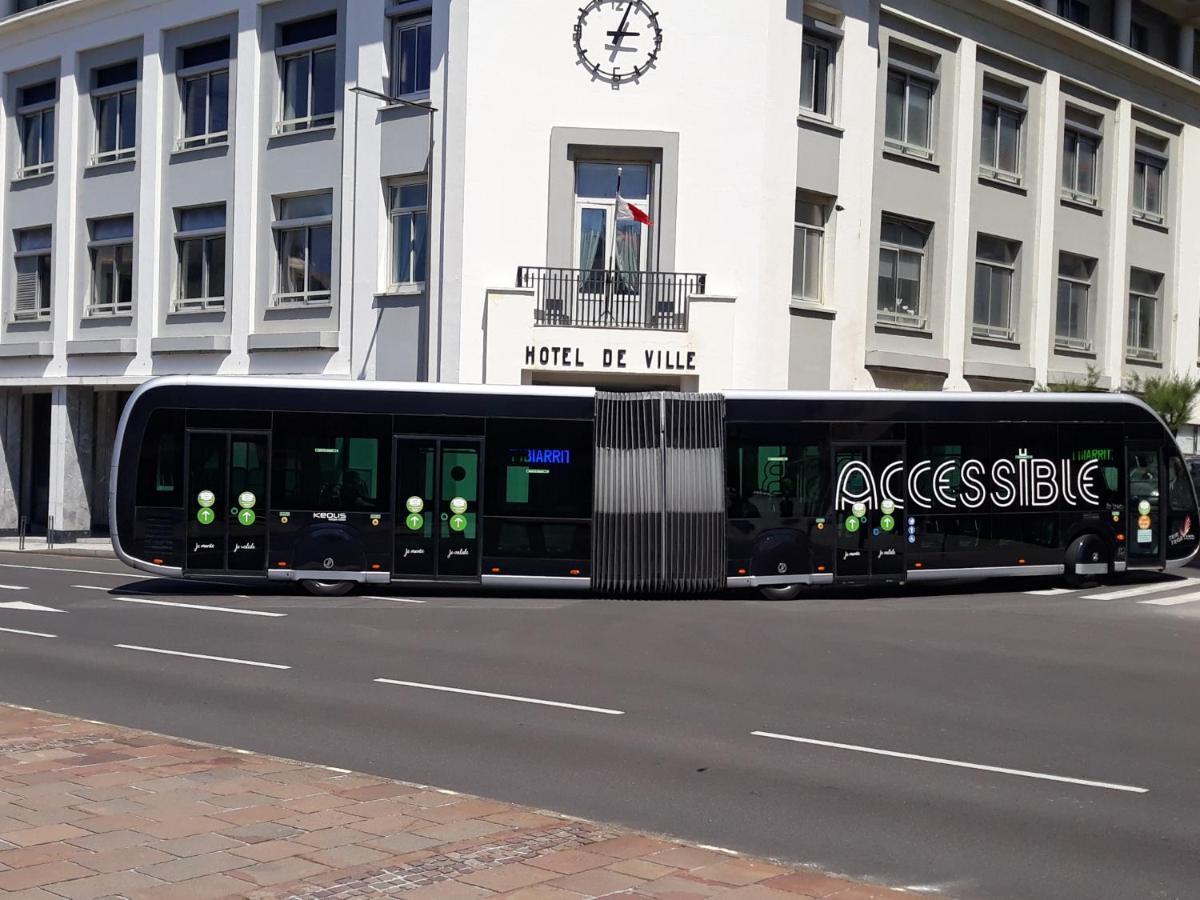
[[946, 194]]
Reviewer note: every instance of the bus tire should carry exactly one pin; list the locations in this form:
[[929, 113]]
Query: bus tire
[[327, 588], [1086, 549], [781, 592]]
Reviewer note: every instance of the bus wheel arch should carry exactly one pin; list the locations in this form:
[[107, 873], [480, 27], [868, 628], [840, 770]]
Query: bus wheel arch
[[780, 592], [327, 588], [1088, 558]]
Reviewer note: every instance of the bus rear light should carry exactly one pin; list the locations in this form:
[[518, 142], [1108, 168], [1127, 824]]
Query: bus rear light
[[919, 565], [156, 561], [281, 564], [574, 571], [741, 571], [1120, 537], [820, 568], [495, 570], [375, 566], [1020, 562]]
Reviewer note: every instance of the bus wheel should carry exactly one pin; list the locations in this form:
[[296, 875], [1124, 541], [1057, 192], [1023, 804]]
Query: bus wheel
[[328, 588], [781, 592], [1086, 551]]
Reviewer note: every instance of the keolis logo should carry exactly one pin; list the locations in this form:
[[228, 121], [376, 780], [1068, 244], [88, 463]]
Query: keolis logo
[[1026, 482]]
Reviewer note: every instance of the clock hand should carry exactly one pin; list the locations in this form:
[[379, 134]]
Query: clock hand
[[621, 32]]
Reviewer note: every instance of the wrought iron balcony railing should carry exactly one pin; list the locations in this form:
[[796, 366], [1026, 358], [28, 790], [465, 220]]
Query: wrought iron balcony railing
[[592, 298]]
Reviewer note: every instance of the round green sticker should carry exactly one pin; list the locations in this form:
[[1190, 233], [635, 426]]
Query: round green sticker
[[458, 523], [852, 524], [859, 509], [1144, 507], [887, 507], [206, 498], [887, 523], [246, 499], [414, 521], [205, 516], [458, 505], [414, 504], [246, 517]]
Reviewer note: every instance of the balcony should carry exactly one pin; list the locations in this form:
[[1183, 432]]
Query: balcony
[[590, 298]]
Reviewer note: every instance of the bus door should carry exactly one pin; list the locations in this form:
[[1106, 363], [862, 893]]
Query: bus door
[[226, 502], [1146, 513], [437, 508], [869, 514]]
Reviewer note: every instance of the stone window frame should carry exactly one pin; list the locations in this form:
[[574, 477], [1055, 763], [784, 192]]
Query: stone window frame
[[1138, 298], [40, 109]]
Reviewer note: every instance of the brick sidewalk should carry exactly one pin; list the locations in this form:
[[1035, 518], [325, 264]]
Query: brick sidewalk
[[90, 810]]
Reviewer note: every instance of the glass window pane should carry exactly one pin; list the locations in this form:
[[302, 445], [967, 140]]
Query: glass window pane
[[408, 196], [988, 136], [424, 54], [306, 206], [1087, 166], [407, 62], [909, 283], [402, 260], [894, 112], [1062, 314], [195, 107], [812, 266], [33, 239], [1009, 150], [124, 273], [106, 124], [1139, 186], [191, 269], [324, 82], [216, 266], [1001, 295], [102, 276], [202, 218], [292, 251], [887, 280], [1154, 180], [31, 139], [128, 114], [295, 87], [112, 229], [799, 249], [1068, 160], [218, 103], [920, 112], [593, 226], [320, 259], [420, 245], [47, 142], [43, 269], [983, 283], [807, 78]]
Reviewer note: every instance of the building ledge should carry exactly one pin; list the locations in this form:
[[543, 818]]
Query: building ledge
[[907, 362], [1060, 376], [998, 371], [811, 310], [110, 347], [26, 349], [294, 340], [206, 343]]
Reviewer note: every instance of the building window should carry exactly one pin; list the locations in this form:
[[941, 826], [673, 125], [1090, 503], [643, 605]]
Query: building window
[[995, 287], [1000, 154], [114, 99], [817, 62], [1081, 157], [902, 246], [200, 249], [1145, 292], [307, 73], [111, 250], [35, 122], [1139, 37], [1150, 179], [409, 212], [33, 274], [807, 249], [604, 241], [1076, 11], [304, 241], [411, 57], [1072, 321], [911, 84], [204, 94]]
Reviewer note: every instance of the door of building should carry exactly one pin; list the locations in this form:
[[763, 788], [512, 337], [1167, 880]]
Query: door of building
[[869, 511], [226, 501], [437, 508]]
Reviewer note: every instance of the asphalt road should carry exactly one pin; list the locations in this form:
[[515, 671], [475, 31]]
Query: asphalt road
[[1075, 713]]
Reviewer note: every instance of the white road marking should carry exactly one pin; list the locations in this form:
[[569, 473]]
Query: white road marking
[[1143, 589], [1053, 592], [13, 587], [454, 690], [394, 599], [1173, 601], [91, 587], [200, 606], [41, 634], [954, 762], [28, 607], [77, 571], [225, 659]]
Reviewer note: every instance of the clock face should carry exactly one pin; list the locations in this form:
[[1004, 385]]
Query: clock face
[[617, 40]]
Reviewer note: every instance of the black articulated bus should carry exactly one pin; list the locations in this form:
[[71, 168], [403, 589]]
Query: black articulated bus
[[332, 484]]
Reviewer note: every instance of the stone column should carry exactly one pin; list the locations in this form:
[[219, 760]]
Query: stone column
[[106, 432], [1122, 21], [11, 422], [72, 426], [1187, 48]]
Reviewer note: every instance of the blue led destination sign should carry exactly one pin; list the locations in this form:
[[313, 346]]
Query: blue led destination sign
[[543, 456]]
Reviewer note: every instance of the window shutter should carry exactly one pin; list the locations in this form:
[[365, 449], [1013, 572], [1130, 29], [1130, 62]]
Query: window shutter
[[27, 289]]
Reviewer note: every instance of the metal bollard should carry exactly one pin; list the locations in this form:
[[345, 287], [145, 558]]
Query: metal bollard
[[22, 524], [50, 533]]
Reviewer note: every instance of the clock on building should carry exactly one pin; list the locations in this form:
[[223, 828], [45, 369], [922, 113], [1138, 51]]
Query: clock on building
[[617, 40]]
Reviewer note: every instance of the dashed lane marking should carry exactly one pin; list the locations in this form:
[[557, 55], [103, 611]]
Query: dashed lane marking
[[202, 607], [1177, 600], [28, 607], [1142, 590], [1053, 592], [40, 634], [491, 696], [13, 587], [393, 599], [224, 659], [78, 571], [1042, 776]]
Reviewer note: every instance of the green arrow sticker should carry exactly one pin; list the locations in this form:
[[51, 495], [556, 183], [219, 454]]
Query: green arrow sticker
[[246, 517], [414, 521], [887, 523], [205, 516], [852, 524], [458, 523]]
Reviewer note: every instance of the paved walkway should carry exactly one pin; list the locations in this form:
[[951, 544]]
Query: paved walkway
[[89, 810], [95, 547]]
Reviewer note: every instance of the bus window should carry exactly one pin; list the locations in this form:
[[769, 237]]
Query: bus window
[[775, 481], [536, 472], [1182, 522], [160, 469], [336, 463]]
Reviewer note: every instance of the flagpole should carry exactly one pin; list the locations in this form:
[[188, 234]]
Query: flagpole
[[612, 251]]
